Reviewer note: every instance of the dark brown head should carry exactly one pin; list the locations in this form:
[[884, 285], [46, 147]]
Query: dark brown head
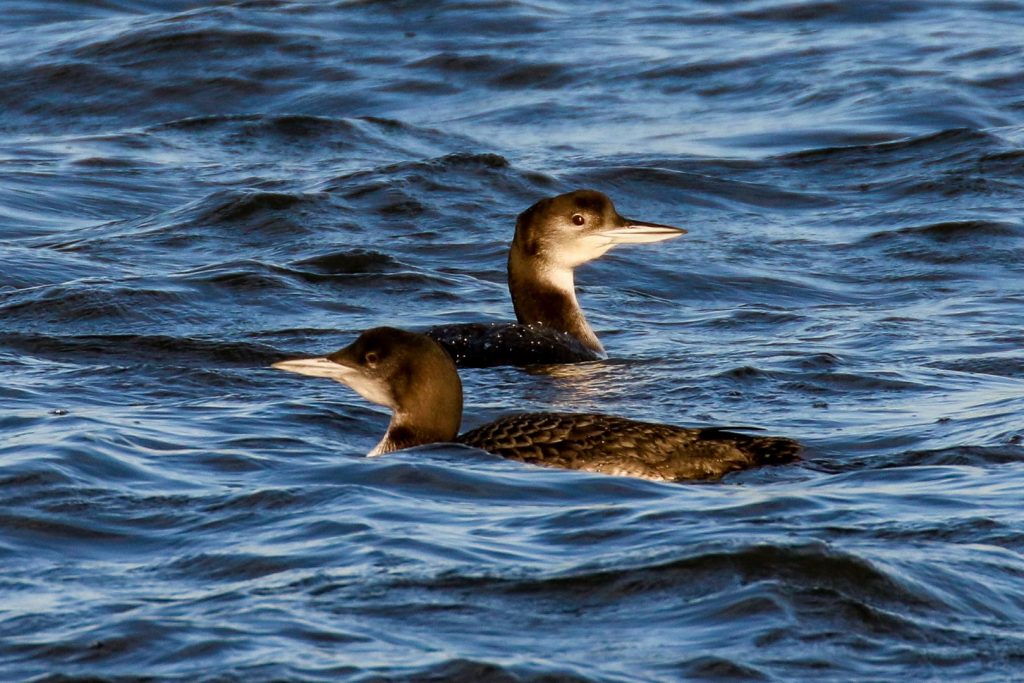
[[405, 371], [580, 226]]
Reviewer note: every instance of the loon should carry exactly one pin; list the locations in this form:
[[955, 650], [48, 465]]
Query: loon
[[552, 237], [413, 376]]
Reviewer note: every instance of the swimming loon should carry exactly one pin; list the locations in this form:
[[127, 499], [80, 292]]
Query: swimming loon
[[413, 376], [552, 237]]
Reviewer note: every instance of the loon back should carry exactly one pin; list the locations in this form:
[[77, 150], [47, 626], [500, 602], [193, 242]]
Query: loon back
[[616, 445], [484, 345]]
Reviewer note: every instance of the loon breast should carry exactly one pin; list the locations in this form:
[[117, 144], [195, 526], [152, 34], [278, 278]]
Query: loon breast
[[620, 446]]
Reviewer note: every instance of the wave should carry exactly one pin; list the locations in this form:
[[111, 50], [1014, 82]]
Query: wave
[[961, 456], [124, 348]]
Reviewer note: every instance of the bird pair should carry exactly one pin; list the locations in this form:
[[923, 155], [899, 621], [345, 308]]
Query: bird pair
[[415, 374]]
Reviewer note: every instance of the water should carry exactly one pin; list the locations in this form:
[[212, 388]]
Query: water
[[190, 191]]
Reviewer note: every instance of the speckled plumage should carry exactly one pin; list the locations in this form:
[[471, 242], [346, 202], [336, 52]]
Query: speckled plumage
[[484, 345], [616, 445]]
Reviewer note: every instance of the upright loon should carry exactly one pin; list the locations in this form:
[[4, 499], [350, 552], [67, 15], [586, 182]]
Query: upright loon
[[416, 378], [552, 237]]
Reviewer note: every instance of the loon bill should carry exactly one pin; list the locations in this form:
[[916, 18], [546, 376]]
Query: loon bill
[[552, 238], [414, 377]]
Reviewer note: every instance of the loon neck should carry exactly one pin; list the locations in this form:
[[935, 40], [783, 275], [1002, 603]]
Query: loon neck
[[544, 293], [403, 435], [426, 402]]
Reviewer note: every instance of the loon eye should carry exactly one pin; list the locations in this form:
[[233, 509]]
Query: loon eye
[[370, 358], [577, 219]]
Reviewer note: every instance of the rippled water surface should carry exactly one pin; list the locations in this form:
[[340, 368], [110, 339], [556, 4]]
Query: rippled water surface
[[190, 191]]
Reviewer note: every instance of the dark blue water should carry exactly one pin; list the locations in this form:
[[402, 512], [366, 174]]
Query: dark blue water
[[192, 190]]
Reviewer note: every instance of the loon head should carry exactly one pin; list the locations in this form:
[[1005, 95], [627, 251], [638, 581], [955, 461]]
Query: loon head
[[573, 228], [553, 237], [405, 371]]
